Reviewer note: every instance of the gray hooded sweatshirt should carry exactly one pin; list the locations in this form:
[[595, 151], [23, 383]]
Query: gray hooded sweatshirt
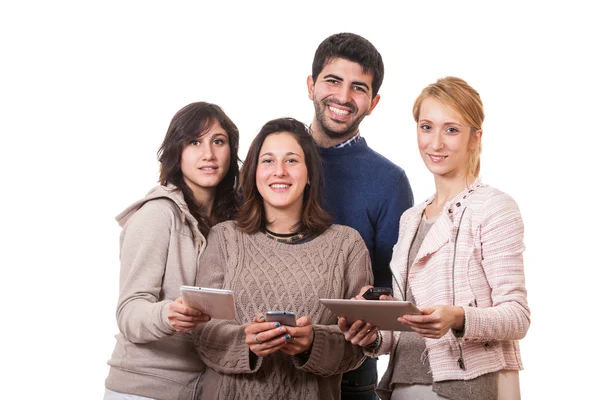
[[160, 248]]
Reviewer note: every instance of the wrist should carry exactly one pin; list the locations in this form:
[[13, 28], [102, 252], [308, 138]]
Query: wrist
[[375, 344], [459, 319], [310, 345]]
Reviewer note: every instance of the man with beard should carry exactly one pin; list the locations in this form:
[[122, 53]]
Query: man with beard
[[363, 189]]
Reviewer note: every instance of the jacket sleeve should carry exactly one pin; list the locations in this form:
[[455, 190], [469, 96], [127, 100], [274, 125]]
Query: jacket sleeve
[[400, 199], [141, 317], [502, 261], [221, 344], [330, 353]]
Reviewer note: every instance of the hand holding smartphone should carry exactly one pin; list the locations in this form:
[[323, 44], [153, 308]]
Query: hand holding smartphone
[[287, 318], [374, 293]]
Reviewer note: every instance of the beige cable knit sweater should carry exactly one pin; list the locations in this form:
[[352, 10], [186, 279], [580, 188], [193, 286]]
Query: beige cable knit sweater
[[266, 275]]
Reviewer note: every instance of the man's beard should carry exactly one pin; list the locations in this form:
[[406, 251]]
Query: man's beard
[[320, 113]]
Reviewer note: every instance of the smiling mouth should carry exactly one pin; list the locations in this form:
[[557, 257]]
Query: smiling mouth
[[280, 186], [338, 111], [437, 157]]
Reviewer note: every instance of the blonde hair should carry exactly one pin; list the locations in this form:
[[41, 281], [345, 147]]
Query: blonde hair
[[462, 98]]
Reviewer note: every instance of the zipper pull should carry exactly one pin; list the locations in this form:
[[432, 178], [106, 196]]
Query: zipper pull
[[460, 361]]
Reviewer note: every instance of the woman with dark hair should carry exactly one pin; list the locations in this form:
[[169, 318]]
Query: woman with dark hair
[[162, 238], [281, 254]]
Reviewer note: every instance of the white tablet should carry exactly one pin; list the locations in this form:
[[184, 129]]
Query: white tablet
[[381, 313], [218, 303]]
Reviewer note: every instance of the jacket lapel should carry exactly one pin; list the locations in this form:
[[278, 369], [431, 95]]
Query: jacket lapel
[[438, 235]]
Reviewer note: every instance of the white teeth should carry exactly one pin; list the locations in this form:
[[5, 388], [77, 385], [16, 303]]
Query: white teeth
[[280, 186], [338, 111]]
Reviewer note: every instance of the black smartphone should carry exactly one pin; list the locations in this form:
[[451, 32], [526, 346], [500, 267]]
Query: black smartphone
[[283, 317], [374, 293]]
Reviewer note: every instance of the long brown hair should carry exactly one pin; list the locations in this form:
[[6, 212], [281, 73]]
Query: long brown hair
[[251, 217], [188, 124], [462, 98]]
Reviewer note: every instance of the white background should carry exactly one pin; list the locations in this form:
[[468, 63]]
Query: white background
[[87, 90]]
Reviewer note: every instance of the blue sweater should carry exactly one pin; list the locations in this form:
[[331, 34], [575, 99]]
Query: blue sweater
[[368, 192]]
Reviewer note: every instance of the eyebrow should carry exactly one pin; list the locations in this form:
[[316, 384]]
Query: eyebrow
[[286, 154], [444, 124], [358, 83], [213, 135]]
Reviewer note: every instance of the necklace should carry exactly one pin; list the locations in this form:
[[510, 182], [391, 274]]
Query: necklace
[[284, 237]]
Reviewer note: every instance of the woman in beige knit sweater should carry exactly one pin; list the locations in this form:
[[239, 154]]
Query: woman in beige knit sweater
[[281, 253]]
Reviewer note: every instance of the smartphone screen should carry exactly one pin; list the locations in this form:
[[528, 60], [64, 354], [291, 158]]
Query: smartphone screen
[[283, 317]]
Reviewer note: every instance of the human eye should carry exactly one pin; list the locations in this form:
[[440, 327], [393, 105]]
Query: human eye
[[331, 80], [266, 161], [219, 141], [452, 130], [359, 88], [425, 127], [195, 142], [291, 160]]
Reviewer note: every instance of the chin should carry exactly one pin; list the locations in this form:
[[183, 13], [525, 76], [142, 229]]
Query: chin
[[210, 184], [437, 170]]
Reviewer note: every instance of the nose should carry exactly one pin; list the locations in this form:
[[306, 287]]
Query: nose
[[207, 151], [344, 94], [279, 169], [437, 142]]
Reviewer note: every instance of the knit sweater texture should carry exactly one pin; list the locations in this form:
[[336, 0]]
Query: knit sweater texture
[[160, 248], [368, 192], [269, 276]]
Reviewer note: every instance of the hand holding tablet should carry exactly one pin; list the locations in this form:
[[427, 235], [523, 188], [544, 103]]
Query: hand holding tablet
[[218, 303], [382, 314]]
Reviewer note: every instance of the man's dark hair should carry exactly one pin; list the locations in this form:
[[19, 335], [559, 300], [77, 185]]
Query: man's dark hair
[[351, 47]]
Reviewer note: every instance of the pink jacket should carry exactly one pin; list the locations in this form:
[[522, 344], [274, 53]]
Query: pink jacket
[[477, 242]]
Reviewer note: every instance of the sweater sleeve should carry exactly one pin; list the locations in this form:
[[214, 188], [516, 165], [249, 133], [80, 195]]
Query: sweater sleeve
[[400, 199], [141, 317], [221, 343], [502, 260], [331, 354]]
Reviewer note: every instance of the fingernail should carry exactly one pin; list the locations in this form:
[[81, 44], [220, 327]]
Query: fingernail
[[261, 317], [287, 337], [277, 324]]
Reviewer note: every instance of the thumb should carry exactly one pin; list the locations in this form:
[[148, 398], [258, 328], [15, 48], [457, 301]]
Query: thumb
[[427, 310], [303, 321]]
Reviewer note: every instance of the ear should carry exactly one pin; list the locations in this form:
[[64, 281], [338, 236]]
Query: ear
[[475, 139], [310, 84], [374, 102]]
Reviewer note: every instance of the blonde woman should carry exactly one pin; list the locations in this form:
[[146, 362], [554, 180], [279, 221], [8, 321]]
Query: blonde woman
[[459, 259]]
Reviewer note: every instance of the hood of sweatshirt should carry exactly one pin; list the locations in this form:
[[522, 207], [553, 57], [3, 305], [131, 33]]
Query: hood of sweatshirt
[[163, 192]]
